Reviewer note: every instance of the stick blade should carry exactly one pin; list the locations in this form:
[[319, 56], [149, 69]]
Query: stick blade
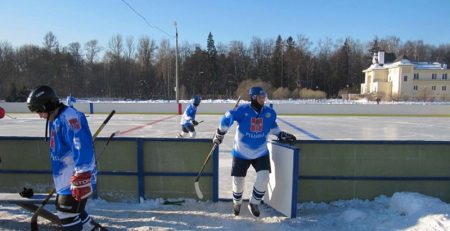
[[197, 190]]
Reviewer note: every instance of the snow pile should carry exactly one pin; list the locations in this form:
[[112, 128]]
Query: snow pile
[[402, 211]]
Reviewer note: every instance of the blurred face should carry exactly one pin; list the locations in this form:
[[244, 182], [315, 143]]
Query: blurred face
[[43, 115], [261, 99]]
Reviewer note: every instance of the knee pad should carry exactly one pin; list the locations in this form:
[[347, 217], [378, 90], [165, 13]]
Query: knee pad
[[193, 134], [68, 204]]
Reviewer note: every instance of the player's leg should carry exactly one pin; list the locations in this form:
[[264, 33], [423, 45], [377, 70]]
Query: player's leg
[[262, 168], [191, 130], [238, 172], [184, 132], [73, 215], [67, 210]]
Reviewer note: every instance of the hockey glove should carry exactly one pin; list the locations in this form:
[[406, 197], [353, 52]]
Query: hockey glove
[[218, 137], [80, 185], [27, 193], [285, 137], [194, 122]]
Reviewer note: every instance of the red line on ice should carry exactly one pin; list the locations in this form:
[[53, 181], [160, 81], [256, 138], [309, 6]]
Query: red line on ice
[[153, 122]]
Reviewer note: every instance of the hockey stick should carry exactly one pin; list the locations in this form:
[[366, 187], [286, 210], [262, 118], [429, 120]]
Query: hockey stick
[[11, 117], [94, 137], [199, 122], [34, 225], [107, 142], [196, 182], [3, 114]]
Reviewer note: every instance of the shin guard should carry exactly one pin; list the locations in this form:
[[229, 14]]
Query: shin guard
[[260, 186]]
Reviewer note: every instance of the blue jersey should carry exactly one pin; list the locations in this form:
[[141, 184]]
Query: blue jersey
[[71, 148], [188, 115], [250, 141]]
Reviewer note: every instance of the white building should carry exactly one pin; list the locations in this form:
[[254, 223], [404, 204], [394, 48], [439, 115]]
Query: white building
[[406, 80]]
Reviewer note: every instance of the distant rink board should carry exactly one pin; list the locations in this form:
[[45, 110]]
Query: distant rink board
[[291, 108], [282, 188]]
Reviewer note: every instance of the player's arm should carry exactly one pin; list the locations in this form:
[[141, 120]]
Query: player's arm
[[282, 136], [79, 136], [225, 123]]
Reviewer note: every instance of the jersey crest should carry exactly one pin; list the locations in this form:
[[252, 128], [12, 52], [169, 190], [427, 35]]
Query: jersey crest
[[257, 124], [74, 123]]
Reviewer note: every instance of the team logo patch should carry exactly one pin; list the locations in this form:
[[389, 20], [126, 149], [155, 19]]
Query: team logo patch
[[257, 124], [268, 115], [74, 123]]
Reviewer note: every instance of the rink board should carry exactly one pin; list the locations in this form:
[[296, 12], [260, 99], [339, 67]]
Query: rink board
[[129, 169], [341, 170]]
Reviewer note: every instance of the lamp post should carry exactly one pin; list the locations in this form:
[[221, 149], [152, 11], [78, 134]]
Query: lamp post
[[177, 95]]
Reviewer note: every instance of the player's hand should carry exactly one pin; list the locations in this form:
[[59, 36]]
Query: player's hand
[[80, 185], [194, 122], [286, 137], [218, 137]]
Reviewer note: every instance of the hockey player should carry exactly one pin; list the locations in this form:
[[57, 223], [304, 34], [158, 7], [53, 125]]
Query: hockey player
[[255, 123], [188, 118], [70, 100], [72, 157]]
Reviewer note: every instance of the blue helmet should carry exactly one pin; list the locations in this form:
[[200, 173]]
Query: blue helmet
[[255, 91], [196, 100]]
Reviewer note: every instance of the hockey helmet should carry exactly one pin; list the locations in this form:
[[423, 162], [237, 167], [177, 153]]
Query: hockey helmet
[[256, 91], [42, 99], [196, 100]]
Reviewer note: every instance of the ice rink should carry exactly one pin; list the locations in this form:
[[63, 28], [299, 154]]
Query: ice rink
[[303, 127]]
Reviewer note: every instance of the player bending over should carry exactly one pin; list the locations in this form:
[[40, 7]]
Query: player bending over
[[72, 157]]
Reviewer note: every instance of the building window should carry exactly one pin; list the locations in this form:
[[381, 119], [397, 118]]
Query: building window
[[433, 88], [416, 75], [415, 88], [433, 76], [444, 76], [444, 88], [405, 78]]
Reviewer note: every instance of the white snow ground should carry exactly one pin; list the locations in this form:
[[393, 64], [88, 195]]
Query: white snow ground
[[402, 211]]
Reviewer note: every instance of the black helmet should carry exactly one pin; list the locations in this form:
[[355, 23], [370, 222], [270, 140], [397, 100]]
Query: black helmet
[[42, 99]]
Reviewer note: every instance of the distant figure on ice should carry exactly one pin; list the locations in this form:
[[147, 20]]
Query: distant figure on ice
[[72, 157], [70, 100], [188, 118], [255, 123]]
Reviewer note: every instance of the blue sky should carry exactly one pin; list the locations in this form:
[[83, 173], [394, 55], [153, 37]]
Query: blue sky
[[27, 21]]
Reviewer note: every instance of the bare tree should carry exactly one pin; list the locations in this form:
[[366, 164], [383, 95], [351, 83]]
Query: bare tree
[[92, 50], [130, 48], [146, 52], [50, 42]]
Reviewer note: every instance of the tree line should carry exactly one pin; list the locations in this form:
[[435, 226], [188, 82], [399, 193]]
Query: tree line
[[142, 69]]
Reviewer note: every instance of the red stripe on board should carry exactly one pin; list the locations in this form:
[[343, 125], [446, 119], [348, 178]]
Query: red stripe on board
[[153, 122]]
